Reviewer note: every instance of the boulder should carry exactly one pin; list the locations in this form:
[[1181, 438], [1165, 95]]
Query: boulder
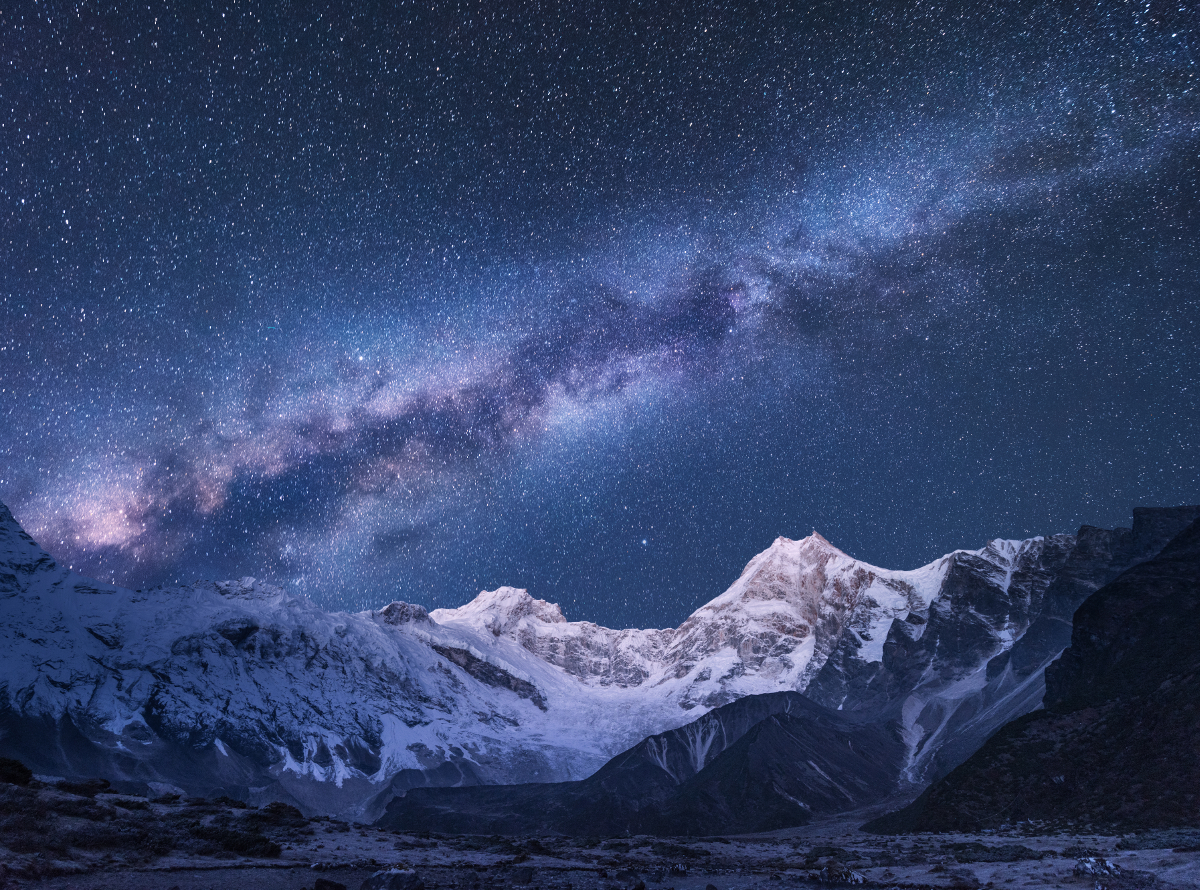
[[394, 879]]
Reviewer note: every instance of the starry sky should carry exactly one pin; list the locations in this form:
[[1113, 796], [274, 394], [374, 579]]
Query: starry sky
[[406, 300]]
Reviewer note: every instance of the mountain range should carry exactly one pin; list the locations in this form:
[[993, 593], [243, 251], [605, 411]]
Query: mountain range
[[242, 689]]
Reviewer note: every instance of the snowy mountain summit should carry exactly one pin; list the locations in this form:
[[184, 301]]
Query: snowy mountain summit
[[770, 631], [241, 688]]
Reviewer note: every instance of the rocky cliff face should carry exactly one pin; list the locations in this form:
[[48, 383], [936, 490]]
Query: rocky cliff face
[[1116, 744], [1138, 632], [952, 675]]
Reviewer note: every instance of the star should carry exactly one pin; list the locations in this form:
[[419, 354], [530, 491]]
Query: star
[[917, 277]]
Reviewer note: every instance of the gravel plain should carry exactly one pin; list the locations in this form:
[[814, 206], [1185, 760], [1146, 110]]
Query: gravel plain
[[55, 836]]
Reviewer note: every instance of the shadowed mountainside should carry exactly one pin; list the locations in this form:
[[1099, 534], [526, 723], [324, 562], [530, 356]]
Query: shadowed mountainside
[[760, 763], [1015, 622], [1118, 743]]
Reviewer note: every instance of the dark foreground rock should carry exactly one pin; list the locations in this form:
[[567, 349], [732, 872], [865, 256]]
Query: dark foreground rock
[[394, 879], [1118, 743]]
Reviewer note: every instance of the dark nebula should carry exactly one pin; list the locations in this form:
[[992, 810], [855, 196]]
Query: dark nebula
[[406, 301]]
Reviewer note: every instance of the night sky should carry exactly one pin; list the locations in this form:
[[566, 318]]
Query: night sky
[[404, 301]]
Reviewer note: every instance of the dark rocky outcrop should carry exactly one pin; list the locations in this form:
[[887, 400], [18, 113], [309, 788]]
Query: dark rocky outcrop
[[1118, 743], [486, 672], [759, 763], [787, 770], [394, 879]]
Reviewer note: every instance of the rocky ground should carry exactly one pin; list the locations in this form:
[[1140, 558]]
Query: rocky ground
[[59, 835]]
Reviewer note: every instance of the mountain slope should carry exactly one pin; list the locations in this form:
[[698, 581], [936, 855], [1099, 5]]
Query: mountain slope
[[976, 660], [771, 630], [1119, 741], [759, 763]]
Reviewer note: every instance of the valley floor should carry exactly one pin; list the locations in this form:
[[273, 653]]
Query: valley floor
[[70, 836]]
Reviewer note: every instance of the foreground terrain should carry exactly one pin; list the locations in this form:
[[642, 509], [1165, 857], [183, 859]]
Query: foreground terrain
[[77, 835]]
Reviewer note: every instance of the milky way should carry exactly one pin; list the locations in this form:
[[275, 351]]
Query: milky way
[[410, 302]]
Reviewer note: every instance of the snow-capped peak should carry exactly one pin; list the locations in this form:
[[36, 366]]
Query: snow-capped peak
[[19, 553], [501, 611]]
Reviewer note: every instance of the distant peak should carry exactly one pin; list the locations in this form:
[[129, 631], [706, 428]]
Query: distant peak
[[501, 608], [816, 543], [503, 598], [9, 526], [819, 542]]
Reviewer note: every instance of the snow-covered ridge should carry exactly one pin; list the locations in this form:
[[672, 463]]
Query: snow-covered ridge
[[275, 696], [769, 631]]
